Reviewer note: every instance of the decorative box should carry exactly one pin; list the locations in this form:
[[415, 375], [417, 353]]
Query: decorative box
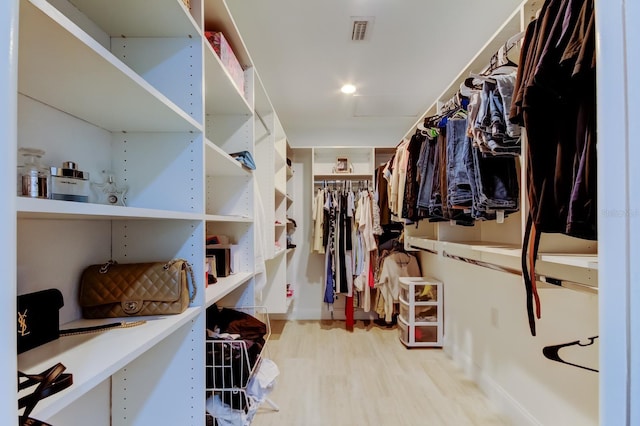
[[227, 57]]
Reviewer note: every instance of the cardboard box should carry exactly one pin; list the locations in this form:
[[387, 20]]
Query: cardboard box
[[227, 57]]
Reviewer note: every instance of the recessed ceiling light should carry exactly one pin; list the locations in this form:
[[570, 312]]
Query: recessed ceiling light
[[348, 89]]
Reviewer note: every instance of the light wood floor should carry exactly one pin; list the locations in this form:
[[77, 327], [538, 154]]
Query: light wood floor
[[329, 376]]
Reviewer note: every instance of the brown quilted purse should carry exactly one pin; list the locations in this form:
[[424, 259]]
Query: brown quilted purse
[[136, 289]]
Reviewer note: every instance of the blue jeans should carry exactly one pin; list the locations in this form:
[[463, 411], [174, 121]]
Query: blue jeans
[[458, 178], [496, 182], [427, 166]]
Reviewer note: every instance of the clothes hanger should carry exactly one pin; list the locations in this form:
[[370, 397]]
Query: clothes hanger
[[551, 352]]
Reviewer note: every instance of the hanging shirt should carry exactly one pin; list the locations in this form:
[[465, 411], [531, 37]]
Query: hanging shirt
[[318, 222], [394, 266]]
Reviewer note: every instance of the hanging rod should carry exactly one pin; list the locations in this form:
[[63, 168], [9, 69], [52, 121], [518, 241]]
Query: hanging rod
[[571, 285], [262, 121], [423, 249], [483, 264]]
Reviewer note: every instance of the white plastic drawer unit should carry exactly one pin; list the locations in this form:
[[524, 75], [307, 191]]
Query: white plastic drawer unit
[[419, 289], [420, 323]]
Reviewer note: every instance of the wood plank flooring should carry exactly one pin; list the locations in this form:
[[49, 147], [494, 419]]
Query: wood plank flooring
[[329, 376]]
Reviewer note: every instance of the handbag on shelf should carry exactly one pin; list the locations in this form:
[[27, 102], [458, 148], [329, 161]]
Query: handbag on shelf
[[116, 290], [38, 318]]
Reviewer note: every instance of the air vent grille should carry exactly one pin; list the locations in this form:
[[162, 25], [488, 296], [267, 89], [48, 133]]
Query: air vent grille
[[361, 27], [359, 30]]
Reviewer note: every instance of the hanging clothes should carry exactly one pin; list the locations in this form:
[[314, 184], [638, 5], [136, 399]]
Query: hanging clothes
[[555, 99]]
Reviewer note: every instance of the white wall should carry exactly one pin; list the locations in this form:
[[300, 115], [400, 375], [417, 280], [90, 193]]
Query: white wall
[[618, 38], [8, 160], [487, 335]]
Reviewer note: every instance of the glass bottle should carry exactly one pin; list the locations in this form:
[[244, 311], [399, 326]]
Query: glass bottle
[[109, 192], [33, 178]]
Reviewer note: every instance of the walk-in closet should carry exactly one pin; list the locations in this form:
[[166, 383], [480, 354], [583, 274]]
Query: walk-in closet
[[247, 212]]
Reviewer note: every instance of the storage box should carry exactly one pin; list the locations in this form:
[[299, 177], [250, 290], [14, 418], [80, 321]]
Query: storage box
[[227, 57]]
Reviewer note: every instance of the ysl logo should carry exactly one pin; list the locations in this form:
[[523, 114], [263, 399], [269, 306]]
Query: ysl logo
[[22, 323]]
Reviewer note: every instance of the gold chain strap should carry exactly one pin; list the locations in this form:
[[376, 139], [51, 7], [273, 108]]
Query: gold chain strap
[[187, 266], [100, 329]]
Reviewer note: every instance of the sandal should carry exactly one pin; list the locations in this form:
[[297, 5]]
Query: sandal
[[34, 379], [50, 381]]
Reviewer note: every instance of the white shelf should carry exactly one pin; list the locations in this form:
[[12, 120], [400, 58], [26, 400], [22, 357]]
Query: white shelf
[[342, 176], [222, 96], [92, 358], [225, 285], [166, 18], [35, 208], [219, 163], [577, 260], [278, 252], [289, 172], [123, 101], [571, 267], [222, 218]]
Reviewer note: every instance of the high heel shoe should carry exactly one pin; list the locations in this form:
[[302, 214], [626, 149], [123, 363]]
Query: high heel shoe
[[49, 382]]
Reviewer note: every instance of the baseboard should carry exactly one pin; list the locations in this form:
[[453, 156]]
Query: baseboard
[[503, 402]]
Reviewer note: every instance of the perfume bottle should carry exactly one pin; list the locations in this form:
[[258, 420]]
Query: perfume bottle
[[33, 178], [69, 184], [109, 191]]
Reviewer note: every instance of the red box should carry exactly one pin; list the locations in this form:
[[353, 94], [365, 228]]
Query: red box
[[227, 57]]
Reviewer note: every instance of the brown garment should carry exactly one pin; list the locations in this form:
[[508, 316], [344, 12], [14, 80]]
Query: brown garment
[[410, 202], [383, 197]]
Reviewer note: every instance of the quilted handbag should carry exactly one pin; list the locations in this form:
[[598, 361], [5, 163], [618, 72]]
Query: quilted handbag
[[136, 289]]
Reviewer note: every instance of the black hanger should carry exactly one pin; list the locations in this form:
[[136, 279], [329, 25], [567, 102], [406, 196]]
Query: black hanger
[[551, 352]]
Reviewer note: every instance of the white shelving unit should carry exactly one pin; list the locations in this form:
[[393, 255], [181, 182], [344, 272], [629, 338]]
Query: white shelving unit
[[271, 176], [137, 90]]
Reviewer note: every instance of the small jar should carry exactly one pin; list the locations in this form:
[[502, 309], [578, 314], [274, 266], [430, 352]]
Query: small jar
[[33, 178]]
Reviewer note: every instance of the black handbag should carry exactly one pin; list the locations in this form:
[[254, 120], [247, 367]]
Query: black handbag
[[38, 318]]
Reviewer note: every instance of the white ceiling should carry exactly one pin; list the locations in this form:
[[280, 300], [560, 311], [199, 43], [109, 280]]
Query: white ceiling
[[303, 52]]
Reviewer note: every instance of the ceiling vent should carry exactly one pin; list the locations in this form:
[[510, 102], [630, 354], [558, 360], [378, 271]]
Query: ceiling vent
[[361, 27]]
